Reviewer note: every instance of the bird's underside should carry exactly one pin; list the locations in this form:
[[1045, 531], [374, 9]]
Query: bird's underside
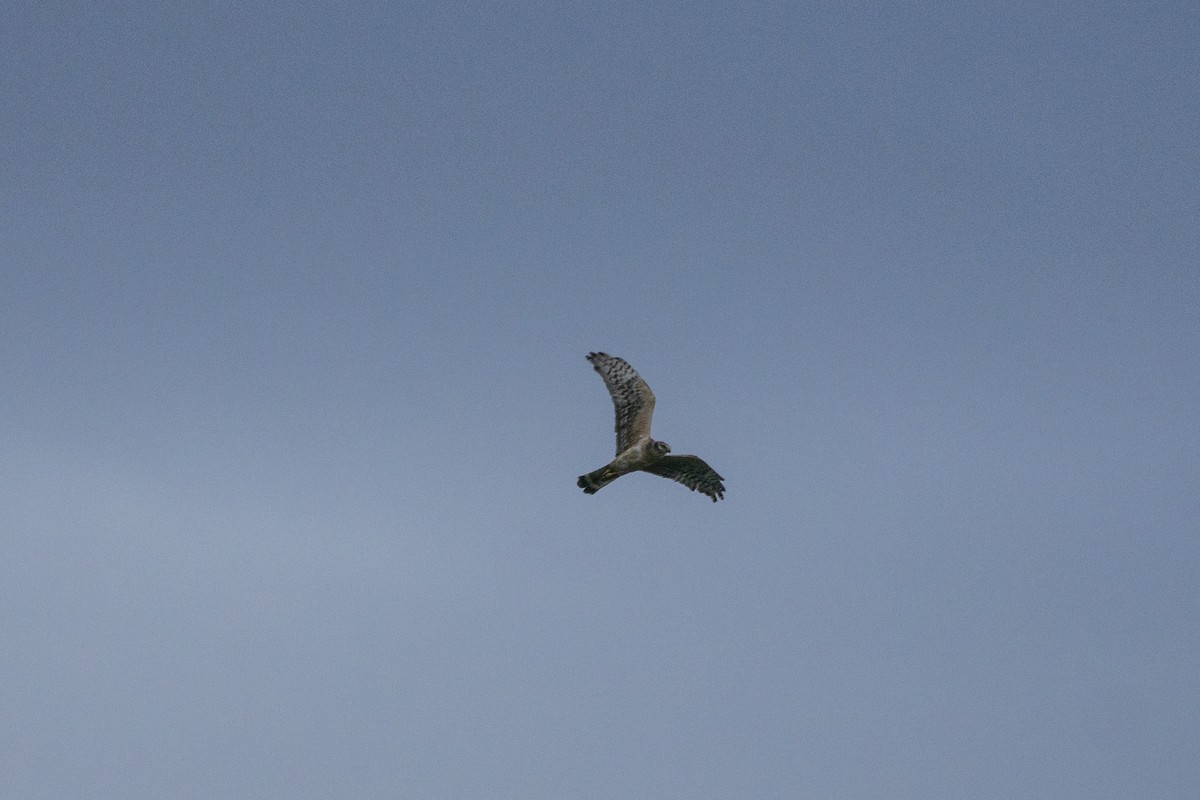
[[633, 403]]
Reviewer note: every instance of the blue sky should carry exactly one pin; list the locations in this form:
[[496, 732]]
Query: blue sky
[[294, 307]]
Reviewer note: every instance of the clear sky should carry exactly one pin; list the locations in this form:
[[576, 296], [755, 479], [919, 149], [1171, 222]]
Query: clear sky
[[294, 303]]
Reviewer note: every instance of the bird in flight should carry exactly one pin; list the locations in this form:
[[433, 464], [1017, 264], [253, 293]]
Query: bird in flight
[[634, 403]]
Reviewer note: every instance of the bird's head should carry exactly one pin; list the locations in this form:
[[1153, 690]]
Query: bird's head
[[659, 448]]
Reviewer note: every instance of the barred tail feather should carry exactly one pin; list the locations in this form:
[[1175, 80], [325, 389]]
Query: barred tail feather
[[594, 481]]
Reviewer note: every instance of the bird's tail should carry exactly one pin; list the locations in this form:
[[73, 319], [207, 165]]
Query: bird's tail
[[596, 480]]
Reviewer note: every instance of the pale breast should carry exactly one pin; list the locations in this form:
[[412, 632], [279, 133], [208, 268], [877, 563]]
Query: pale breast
[[634, 457]]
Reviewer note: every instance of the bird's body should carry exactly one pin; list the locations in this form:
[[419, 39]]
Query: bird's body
[[634, 405], [638, 456]]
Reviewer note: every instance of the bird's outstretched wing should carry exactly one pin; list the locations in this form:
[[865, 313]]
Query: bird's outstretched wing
[[692, 472], [632, 399]]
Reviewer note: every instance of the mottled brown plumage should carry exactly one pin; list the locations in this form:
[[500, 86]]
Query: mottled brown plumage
[[633, 403]]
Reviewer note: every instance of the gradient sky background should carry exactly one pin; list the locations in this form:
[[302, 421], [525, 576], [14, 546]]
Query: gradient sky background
[[295, 301]]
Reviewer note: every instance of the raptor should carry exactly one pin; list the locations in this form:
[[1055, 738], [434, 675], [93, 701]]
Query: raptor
[[634, 405]]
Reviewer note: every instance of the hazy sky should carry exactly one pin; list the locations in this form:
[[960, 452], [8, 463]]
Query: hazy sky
[[294, 303]]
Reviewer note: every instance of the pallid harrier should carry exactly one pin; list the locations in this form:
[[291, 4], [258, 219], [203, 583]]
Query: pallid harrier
[[634, 404]]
